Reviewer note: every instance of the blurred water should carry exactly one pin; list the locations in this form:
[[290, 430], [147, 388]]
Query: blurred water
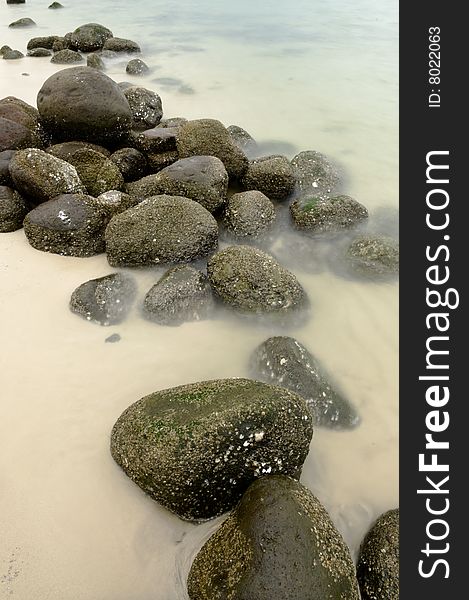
[[309, 75]]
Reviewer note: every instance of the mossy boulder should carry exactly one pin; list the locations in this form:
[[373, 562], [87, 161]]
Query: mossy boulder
[[40, 176], [106, 300], [318, 214], [70, 225], [278, 544], [373, 256], [115, 44], [13, 209], [314, 173], [14, 136], [17, 111], [252, 281], [271, 175], [208, 137], [67, 150], [89, 37], [39, 52], [157, 161], [136, 66], [12, 55], [67, 57], [114, 202], [131, 163], [22, 23], [159, 230], [248, 215], [182, 294], [284, 361], [42, 42], [94, 61], [146, 107], [98, 173], [196, 448], [378, 561]]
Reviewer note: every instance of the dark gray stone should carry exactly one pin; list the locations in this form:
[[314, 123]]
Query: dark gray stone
[[112, 339], [106, 300], [208, 137], [278, 544], [94, 61], [327, 214], [159, 230], [82, 103], [43, 42], [172, 122], [145, 105], [12, 55], [252, 281], [314, 173], [182, 294], [65, 57], [61, 43], [70, 225], [24, 22], [158, 161], [156, 140], [39, 176], [4, 49], [55, 5], [5, 158], [136, 66], [378, 561], [242, 139], [89, 37], [248, 214], [98, 173], [374, 256], [130, 162], [13, 209], [284, 361], [66, 150], [14, 136], [271, 175], [39, 52], [121, 45], [196, 448]]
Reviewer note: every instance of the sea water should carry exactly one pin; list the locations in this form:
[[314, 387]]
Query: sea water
[[319, 75]]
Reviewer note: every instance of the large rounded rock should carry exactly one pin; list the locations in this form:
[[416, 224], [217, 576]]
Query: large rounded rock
[[248, 214], [378, 562], [106, 300], [12, 55], [284, 361], [42, 42], [373, 256], [161, 229], [19, 112], [13, 210], [115, 44], [90, 37], [252, 281], [94, 61], [208, 137], [196, 448], [278, 544], [70, 225], [66, 57], [145, 105], [98, 173], [136, 66], [314, 173], [182, 294], [271, 175], [155, 140], [323, 215], [14, 136], [41, 176], [82, 103]]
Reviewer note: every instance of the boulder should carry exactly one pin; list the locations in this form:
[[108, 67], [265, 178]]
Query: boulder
[[145, 106], [172, 122], [39, 52], [94, 61], [155, 140], [13, 209], [378, 561], [248, 214], [43, 42], [66, 150], [196, 448], [285, 362], [12, 54], [318, 214], [106, 300], [65, 57], [314, 173], [278, 544], [14, 109], [5, 158], [70, 225], [271, 175], [39, 176], [82, 103], [115, 202], [14, 136], [373, 256], [159, 230], [89, 37], [98, 173], [115, 44], [208, 137], [182, 294], [130, 162], [61, 43], [24, 22], [252, 281], [242, 139], [4, 49], [136, 66]]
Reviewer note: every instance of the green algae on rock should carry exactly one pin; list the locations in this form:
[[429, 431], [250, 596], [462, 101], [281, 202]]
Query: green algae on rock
[[196, 448], [319, 214], [378, 561], [278, 544], [374, 256], [284, 361]]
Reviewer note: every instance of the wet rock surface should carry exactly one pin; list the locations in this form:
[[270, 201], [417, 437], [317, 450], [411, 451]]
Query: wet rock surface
[[130, 162], [242, 139], [13, 209], [22, 23], [106, 300], [182, 294], [196, 448], [271, 175], [94, 61], [252, 281], [12, 55], [42, 42], [161, 229], [70, 225], [248, 214], [89, 37], [373, 256], [98, 173], [324, 215], [314, 173], [378, 561], [114, 202], [279, 543], [285, 362], [67, 150], [5, 158], [136, 66], [145, 106], [66, 56]]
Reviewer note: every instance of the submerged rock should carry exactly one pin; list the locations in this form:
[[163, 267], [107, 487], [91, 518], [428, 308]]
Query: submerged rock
[[90, 37], [42, 42], [314, 173], [278, 544], [13, 210], [323, 215], [252, 281], [70, 225], [98, 173], [182, 294], [208, 137], [284, 361], [106, 300], [112, 339], [94, 61], [24, 22], [55, 5], [242, 139], [271, 175], [64, 57], [136, 66], [196, 448], [378, 562], [161, 229], [249, 214], [40, 176], [82, 103], [121, 45], [12, 54], [145, 105], [39, 52], [373, 256], [130, 162]]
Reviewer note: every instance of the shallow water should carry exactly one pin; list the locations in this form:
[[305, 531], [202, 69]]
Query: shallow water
[[312, 75]]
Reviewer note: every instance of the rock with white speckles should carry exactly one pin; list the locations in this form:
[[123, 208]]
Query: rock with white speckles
[[40, 176], [196, 448], [284, 361], [278, 544], [314, 173], [145, 105], [90, 37], [248, 215], [271, 175], [374, 256], [319, 214], [106, 300], [13, 209], [378, 562], [98, 173]]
